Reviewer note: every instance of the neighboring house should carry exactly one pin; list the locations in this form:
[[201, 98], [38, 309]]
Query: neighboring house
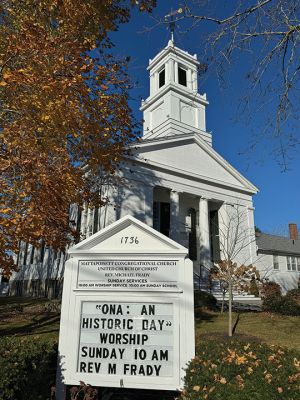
[[174, 181], [279, 258]]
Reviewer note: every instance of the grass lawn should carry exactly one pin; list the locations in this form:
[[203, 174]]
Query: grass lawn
[[269, 328], [26, 316]]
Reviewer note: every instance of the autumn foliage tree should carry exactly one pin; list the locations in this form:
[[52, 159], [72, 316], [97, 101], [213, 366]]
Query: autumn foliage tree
[[233, 270], [64, 113]]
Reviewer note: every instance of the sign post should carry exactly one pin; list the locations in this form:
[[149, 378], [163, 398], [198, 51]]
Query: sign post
[[127, 310]]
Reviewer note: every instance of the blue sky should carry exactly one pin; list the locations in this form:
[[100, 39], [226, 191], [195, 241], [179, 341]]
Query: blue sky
[[277, 203]]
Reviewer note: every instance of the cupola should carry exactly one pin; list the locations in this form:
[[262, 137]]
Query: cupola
[[174, 105]]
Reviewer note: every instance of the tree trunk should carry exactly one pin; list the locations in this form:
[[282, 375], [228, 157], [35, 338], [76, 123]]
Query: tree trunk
[[223, 301], [230, 309]]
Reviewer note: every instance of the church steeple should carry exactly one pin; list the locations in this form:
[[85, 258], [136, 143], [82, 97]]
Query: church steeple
[[174, 105]]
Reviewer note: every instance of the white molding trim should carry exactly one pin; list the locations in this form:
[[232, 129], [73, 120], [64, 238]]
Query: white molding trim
[[192, 137]]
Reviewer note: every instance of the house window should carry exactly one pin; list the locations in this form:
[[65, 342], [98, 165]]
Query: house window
[[182, 76], [161, 78], [275, 262], [293, 263]]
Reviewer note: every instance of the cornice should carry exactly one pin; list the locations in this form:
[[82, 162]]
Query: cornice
[[195, 97]]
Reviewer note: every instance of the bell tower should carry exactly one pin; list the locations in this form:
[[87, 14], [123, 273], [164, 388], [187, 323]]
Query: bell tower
[[174, 106]]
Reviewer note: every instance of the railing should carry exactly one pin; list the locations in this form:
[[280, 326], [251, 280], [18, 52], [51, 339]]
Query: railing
[[203, 281]]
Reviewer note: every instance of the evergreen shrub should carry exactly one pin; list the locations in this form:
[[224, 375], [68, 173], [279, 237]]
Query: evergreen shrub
[[238, 370], [274, 302], [27, 368], [204, 299], [294, 294], [270, 289]]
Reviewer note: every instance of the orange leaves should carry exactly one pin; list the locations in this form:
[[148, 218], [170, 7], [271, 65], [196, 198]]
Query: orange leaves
[[234, 357], [297, 363], [220, 379], [63, 110]]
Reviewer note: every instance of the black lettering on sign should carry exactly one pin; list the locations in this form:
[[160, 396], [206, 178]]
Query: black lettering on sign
[[145, 370], [140, 354], [82, 366], [102, 352], [84, 351], [89, 367], [161, 355], [148, 311], [112, 309], [152, 325], [112, 369], [126, 338]]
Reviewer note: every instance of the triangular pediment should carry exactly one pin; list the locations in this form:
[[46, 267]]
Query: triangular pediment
[[128, 235], [190, 155]]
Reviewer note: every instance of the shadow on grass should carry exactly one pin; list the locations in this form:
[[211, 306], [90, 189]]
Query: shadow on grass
[[24, 301], [38, 325]]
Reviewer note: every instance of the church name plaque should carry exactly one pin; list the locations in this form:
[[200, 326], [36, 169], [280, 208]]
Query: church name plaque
[[127, 339], [128, 274]]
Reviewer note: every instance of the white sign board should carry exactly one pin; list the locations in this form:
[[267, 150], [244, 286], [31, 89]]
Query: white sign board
[[129, 274], [127, 310], [126, 339]]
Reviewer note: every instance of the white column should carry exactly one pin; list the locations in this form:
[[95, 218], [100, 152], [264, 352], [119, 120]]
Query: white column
[[148, 206], [204, 232], [152, 84], [171, 70], [194, 81], [189, 79], [156, 82], [223, 230], [174, 215], [83, 227], [176, 71], [167, 73]]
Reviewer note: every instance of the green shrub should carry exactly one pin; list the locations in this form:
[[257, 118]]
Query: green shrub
[[272, 304], [270, 289], [254, 288], [27, 368], [285, 305], [238, 370], [204, 299], [294, 294], [288, 306]]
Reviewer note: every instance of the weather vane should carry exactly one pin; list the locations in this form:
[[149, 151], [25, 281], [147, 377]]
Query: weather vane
[[169, 18]]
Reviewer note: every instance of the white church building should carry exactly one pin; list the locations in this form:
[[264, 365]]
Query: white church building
[[174, 181]]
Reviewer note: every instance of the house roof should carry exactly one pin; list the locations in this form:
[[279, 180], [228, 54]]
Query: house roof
[[277, 244]]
